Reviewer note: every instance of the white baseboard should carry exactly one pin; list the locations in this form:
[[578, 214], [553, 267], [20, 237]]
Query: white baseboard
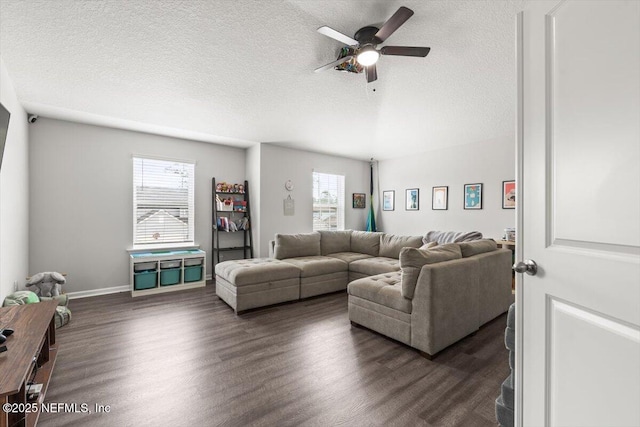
[[106, 291], [96, 292]]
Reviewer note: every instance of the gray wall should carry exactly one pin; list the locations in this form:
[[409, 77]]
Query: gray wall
[[81, 219], [279, 164], [253, 176], [489, 162], [80, 195], [14, 192]]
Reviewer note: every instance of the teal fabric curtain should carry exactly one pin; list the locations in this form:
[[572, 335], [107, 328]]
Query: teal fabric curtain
[[371, 218]]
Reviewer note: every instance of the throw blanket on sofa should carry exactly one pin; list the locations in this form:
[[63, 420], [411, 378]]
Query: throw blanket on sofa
[[442, 237]]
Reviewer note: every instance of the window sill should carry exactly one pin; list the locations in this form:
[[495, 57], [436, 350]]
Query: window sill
[[142, 248]]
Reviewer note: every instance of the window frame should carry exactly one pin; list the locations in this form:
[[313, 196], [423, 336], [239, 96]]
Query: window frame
[[190, 206], [340, 205]]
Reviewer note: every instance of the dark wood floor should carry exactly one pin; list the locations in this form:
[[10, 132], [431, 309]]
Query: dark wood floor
[[186, 359]]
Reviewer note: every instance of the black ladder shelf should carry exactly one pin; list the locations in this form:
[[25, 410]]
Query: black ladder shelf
[[233, 215]]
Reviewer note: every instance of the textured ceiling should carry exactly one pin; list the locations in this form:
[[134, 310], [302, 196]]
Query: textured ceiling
[[239, 72]]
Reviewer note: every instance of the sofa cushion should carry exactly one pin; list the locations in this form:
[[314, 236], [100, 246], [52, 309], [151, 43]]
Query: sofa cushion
[[365, 242], [412, 260], [383, 289], [349, 257], [256, 270], [451, 236], [391, 245], [334, 241], [374, 265], [477, 247], [297, 245], [317, 265]]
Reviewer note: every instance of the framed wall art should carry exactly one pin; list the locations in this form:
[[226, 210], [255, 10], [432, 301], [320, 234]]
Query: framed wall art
[[440, 198], [388, 200], [473, 196], [412, 199], [508, 194], [359, 200]]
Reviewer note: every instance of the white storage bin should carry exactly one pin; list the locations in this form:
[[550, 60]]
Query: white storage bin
[[144, 266], [193, 261], [170, 264]]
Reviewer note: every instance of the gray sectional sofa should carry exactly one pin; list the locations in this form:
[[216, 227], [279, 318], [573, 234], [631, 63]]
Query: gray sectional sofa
[[440, 295], [427, 298]]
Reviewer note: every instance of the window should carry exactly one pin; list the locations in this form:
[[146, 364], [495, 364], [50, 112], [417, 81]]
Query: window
[[163, 212], [328, 201]]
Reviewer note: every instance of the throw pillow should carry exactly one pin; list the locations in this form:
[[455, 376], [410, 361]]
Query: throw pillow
[[20, 298]]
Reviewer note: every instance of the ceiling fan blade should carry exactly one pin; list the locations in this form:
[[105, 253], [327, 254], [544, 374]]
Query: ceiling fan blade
[[405, 51], [333, 64], [330, 32], [372, 73], [393, 23]]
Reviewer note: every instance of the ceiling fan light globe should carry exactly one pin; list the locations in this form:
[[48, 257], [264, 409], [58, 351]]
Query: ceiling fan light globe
[[368, 57]]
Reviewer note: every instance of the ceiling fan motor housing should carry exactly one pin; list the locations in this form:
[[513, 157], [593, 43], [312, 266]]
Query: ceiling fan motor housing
[[367, 35]]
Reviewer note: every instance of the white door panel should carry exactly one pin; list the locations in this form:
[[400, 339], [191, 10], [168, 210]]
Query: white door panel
[[593, 101], [571, 377], [578, 333]]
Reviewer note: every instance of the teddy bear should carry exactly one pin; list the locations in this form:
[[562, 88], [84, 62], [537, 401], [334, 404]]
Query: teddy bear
[[47, 284]]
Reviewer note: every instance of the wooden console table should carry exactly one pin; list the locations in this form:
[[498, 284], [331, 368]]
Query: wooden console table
[[508, 244], [30, 349]]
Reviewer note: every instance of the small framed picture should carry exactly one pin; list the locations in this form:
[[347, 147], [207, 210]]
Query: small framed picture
[[473, 196], [508, 194], [359, 200], [440, 198], [388, 200], [412, 199]]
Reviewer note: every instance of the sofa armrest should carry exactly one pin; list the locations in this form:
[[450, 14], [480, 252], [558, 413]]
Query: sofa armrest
[[445, 304], [494, 283]]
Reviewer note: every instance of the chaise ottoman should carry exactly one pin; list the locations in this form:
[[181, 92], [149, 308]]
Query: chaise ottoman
[[257, 282]]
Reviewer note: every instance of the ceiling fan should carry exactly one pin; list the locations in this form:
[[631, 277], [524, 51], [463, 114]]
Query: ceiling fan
[[361, 52]]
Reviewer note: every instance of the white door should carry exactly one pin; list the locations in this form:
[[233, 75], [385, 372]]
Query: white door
[[578, 333]]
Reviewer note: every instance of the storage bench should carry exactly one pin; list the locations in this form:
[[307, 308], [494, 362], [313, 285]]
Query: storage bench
[[164, 271]]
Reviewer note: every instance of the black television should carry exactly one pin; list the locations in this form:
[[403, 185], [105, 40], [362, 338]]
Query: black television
[[4, 128]]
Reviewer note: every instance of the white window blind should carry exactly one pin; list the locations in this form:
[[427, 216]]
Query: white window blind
[[163, 207], [328, 201]]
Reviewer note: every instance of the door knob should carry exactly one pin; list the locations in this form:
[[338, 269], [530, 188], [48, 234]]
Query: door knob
[[528, 266]]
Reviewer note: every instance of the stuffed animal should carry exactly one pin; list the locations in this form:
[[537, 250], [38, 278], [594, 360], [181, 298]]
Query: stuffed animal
[[47, 284]]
